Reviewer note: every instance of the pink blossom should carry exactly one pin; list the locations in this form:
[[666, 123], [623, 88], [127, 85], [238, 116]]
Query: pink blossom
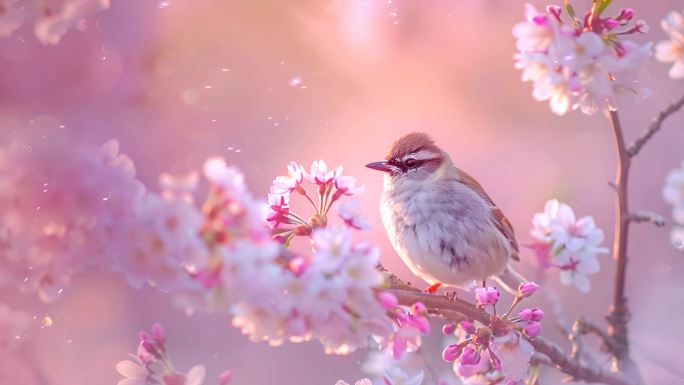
[[535, 314], [320, 174], [134, 374], [514, 353], [572, 244], [225, 377], [60, 206], [289, 183], [346, 185], [526, 289], [486, 296], [350, 217]]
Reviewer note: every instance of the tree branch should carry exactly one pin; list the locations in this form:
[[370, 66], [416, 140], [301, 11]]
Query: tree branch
[[408, 295], [618, 314], [655, 126]]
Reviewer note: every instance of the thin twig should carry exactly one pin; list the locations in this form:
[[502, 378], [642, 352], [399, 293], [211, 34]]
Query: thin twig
[[655, 126], [643, 216]]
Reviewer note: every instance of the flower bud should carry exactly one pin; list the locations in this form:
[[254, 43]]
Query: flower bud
[[468, 327], [158, 333], [535, 314], [555, 10], [526, 289], [626, 14], [225, 377], [298, 266], [532, 329], [469, 356], [486, 296], [388, 300], [452, 352], [143, 336], [448, 329], [418, 308]]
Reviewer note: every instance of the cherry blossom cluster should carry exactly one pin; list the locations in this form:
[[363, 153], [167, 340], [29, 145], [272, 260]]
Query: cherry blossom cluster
[[60, 205], [331, 185], [497, 353], [151, 364], [672, 50], [410, 324], [51, 18], [571, 245], [673, 193], [580, 62], [276, 294]]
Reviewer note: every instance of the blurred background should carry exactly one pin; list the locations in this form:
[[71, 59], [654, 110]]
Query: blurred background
[[262, 83]]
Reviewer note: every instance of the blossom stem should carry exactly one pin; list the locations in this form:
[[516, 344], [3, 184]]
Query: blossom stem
[[655, 126], [308, 198]]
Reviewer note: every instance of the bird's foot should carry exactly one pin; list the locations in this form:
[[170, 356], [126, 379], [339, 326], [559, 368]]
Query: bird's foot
[[451, 295], [433, 289]]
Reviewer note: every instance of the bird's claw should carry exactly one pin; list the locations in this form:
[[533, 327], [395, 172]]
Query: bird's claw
[[433, 288]]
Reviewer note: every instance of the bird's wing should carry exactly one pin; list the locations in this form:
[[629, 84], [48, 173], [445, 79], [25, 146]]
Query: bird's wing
[[498, 218]]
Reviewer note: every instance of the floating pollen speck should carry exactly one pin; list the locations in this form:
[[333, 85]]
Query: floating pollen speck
[[46, 322]]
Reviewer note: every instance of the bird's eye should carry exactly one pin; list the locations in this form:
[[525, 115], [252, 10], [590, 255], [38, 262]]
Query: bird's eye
[[411, 163]]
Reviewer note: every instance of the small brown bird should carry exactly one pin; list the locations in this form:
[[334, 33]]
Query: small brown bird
[[440, 221]]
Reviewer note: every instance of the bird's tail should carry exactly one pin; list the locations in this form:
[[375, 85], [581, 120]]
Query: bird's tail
[[510, 280]]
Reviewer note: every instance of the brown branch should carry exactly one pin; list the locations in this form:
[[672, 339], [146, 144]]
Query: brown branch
[[655, 126], [618, 314], [408, 295]]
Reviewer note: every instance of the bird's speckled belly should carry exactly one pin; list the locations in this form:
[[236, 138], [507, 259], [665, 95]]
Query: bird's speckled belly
[[441, 247]]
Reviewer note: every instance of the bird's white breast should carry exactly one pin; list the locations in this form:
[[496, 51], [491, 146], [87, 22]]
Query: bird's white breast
[[442, 231]]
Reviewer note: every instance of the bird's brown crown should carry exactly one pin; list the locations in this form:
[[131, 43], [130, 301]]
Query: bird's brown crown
[[410, 143]]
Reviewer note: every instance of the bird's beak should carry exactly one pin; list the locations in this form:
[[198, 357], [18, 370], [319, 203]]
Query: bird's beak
[[382, 166]]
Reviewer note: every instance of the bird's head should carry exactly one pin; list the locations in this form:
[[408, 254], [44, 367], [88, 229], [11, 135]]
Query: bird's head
[[414, 157]]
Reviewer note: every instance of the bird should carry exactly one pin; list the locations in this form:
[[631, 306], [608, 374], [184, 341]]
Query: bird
[[440, 221]]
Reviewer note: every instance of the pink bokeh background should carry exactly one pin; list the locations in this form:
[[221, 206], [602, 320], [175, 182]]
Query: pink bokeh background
[[265, 82]]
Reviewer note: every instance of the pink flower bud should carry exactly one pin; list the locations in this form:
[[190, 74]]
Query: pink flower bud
[[641, 26], [526, 289], [158, 333], [143, 336], [468, 327], [535, 314], [388, 300], [469, 356], [532, 329], [418, 308], [148, 347], [626, 14], [486, 296], [225, 377], [448, 329], [451, 352], [555, 11]]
